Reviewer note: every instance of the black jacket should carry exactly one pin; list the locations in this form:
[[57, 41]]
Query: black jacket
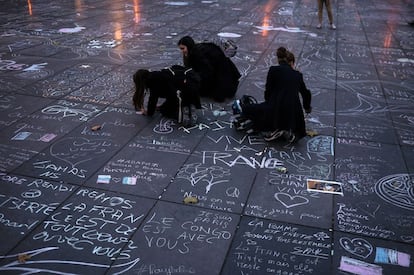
[[160, 85], [165, 84], [282, 109]]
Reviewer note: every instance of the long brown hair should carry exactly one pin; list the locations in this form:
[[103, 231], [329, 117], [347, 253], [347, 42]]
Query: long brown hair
[[187, 41], [140, 78], [281, 53], [290, 58]]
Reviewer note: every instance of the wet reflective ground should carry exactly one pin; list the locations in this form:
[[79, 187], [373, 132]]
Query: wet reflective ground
[[145, 195]]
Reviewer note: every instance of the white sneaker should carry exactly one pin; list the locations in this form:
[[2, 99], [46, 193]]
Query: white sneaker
[[333, 26], [319, 26]]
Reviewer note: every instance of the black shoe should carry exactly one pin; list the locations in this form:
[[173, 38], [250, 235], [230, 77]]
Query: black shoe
[[273, 135]]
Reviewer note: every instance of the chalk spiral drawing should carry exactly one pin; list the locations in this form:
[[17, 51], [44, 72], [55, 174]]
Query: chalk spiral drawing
[[397, 189], [358, 247], [196, 173]]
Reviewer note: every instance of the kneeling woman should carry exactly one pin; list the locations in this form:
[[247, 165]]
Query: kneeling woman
[[281, 113], [177, 85]]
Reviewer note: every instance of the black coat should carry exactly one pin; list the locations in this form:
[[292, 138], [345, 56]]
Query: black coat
[[161, 85], [282, 108], [219, 75]]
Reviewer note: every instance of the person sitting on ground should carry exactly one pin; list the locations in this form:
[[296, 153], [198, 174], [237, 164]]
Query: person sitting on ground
[[219, 75], [281, 113], [177, 85]]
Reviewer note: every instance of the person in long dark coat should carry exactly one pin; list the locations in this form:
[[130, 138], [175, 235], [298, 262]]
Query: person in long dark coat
[[281, 112], [177, 85], [219, 75]]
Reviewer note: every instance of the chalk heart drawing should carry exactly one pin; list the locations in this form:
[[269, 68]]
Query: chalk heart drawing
[[78, 150], [289, 201], [359, 247]]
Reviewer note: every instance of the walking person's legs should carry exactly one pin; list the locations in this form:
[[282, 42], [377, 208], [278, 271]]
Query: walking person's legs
[[320, 10], [329, 11]]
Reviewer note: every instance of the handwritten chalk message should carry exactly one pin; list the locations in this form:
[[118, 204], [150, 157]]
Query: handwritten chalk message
[[95, 223], [207, 228], [177, 237], [25, 203], [263, 247]]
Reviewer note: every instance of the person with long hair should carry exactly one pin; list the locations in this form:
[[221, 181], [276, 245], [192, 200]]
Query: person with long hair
[[281, 113], [140, 78], [179, 87], [219, 75]]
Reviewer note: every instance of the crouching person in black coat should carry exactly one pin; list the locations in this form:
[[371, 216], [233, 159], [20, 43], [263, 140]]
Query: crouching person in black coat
[[219, 75], [178, 86]]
